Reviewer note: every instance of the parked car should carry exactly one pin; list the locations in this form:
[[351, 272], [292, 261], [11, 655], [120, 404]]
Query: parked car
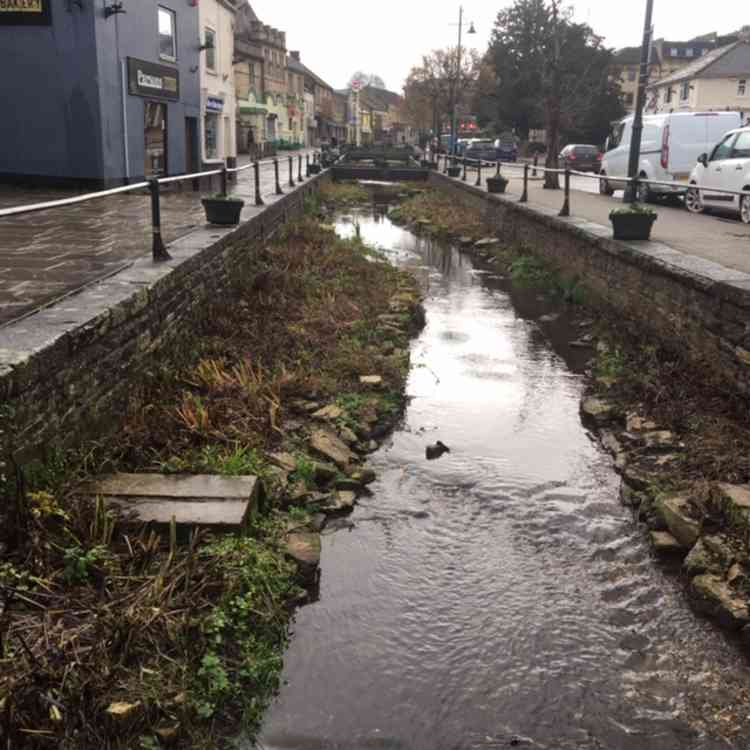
[[481, 149], [507, 147], [580, 157], [727, 167], [670, 144]]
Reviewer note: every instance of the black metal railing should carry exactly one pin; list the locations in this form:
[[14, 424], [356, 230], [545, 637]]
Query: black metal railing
[[158, 248]]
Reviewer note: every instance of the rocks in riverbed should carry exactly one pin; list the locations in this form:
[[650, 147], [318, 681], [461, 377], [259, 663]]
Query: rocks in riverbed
[[486, 243], [330, 412], [677, 514], [736, 497], [332, 447], [304, 548], [340, 502], [374, 381], [713, 596], [664, 542], [599, 411], [711, 554]]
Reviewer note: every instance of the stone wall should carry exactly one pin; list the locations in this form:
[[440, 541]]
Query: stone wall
[[693, 305], [66, 372]]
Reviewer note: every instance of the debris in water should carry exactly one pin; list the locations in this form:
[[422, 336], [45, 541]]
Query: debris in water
[[435, 451]]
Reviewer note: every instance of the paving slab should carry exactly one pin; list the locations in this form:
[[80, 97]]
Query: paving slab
[[192, 500]]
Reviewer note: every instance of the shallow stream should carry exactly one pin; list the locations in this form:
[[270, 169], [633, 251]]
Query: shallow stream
[[500, 596]]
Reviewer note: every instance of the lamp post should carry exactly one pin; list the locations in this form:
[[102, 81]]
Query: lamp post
[[471, 30], [640, 101]]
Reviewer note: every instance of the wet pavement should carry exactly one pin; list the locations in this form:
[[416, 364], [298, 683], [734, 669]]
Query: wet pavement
[[500, 596], [49, 254]]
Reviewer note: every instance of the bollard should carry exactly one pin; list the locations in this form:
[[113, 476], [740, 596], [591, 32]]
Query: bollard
[[565, 210], [258, 198], [536, 164], [307, 159], [463, 176], [478, 183], [291, 171], [158, 251], [497, 174], [525, 194], [300, 178], [445, 164], [224, 180], [279, 191]]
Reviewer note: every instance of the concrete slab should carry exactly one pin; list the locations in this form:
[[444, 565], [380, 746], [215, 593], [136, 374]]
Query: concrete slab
[[192, 500]]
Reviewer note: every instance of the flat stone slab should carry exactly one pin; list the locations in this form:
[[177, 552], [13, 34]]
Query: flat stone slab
[[192, 500], [332, 447]]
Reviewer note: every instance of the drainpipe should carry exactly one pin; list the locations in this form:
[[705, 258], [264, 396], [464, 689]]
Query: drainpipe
[[123, 95]]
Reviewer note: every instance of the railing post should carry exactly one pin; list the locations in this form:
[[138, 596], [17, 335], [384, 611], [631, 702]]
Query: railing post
[[497, 174], [307, 159], [525, 194], [224, 180], [158, 251], [300, 178], [445, 164], [258, 197], [478, 183], [463, 176], [536, 163], [279, 191], [291, 171], [565, 210]]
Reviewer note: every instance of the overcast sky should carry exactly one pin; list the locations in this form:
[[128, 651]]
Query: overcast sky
[[387, 37]]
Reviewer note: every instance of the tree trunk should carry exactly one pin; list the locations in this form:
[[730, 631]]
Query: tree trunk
[[554, 107]]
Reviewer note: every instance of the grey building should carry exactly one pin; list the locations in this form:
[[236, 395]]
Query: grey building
[[98, 92]]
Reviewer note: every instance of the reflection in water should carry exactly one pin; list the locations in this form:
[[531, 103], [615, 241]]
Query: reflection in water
[[500, 596]]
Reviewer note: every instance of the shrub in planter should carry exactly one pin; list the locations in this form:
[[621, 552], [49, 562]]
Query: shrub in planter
[[315, 169], [222, 209], [454, 171], [633, 222], [497, 184]]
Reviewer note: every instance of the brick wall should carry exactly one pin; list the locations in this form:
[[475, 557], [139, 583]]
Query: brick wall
[[692, 305], [66, 371]]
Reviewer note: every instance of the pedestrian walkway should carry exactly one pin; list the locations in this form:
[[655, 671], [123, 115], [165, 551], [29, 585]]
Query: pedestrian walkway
[[49, 254], [721, 239]]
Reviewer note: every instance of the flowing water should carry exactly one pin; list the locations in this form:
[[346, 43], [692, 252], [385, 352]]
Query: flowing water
[[500, 596]]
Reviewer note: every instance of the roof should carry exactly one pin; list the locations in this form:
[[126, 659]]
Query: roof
[[299, 67], [700, 65], [631, 56]]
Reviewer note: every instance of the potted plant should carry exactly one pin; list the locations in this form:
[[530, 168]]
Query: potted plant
[[222, 209], [497, 184], [314, 168], [454, 170], [632, 222]]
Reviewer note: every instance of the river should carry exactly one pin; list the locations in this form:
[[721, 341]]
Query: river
[[500, 596]]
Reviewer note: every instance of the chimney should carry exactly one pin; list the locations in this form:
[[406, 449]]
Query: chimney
[[295, 54]]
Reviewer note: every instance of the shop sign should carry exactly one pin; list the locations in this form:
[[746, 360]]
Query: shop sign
[[152, 80], [25, 12], [214, 104]]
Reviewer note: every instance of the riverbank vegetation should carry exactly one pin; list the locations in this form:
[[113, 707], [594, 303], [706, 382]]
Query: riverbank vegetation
[[120, 637]]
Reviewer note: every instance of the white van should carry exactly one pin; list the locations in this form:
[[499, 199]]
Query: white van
[[670, 144]]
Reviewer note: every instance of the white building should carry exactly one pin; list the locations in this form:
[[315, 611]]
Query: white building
[[218, 103]]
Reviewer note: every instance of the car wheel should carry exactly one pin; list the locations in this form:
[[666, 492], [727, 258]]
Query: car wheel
[[693, 201], [745, 208], [604, 187]]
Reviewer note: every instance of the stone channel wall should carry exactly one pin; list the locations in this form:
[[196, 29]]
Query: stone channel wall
[[691, 304], [66, 371]]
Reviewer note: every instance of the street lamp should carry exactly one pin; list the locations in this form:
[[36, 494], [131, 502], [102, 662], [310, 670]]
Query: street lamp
[[471, 30]]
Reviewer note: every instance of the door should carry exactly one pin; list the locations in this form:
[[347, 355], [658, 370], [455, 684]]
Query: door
[[714, 174], [191, 145], [736, 167], [155, 139]]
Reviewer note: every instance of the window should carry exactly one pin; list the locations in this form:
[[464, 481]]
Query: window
[[674, 52], [741, 148], [685, 91], [167, 43], [668, 95], [211, 136], [631, 74], [724, 149], [210, 43], [689, 52], [741, 87]]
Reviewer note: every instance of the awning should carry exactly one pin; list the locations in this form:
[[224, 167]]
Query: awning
[[249, 109]]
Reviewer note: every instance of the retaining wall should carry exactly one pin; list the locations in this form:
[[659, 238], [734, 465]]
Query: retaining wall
[[66, 371], [693, 305]]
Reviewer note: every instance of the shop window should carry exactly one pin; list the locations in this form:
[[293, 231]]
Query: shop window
[[210, 43], [167, 41], [211, 136]]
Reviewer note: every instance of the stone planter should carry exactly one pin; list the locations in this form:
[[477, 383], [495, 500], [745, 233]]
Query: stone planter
[[225, 211], [632, 226], [454, 171], [315, 169], [432, 165], [496, 184]]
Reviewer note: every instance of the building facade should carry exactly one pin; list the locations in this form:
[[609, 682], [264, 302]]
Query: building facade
[[719, 80], [103, 97], [218, 103]]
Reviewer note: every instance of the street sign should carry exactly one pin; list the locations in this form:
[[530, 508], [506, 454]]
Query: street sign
[[356, 85]]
